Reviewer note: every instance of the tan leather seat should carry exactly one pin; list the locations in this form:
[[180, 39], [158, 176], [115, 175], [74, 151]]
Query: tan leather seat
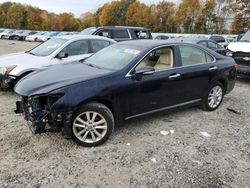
[[165, 60]]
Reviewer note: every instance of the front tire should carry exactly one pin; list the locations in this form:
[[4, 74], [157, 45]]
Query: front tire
[[92, 124], [213, 97]]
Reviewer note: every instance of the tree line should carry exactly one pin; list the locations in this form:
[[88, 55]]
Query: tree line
[[189, 16]]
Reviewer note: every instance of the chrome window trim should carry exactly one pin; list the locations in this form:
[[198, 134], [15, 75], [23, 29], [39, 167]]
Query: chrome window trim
[[172, 68], [129, 34]]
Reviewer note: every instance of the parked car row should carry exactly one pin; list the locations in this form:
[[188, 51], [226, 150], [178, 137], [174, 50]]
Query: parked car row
[[31, 36], [85, 85]]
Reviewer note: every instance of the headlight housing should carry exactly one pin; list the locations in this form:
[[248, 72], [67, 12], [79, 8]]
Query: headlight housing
[[229, 53], [7, 70]]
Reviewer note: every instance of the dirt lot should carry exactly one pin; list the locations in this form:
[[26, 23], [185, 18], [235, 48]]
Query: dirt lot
[[137, 155]]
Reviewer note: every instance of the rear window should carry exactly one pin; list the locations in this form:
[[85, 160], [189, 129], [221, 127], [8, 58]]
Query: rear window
[[191, 56], [120, 33], [218, 38]]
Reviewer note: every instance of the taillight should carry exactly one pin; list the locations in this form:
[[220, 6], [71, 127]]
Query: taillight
[[235, 65]]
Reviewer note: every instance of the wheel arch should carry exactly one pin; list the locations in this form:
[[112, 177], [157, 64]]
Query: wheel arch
[[105, 101], [224, 82]]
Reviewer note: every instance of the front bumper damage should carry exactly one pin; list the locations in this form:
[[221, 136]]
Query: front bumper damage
[[41, 117], [7, 81]]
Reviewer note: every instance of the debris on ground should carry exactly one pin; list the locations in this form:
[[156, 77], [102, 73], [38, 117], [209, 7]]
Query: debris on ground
[[233, 111], [205, 134], [164, 133], [153, 160]]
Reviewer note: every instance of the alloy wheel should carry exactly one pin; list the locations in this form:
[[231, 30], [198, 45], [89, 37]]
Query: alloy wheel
[[215, 97], [90, 127]]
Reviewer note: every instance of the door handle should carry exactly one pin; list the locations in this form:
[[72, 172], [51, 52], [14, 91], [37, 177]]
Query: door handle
[[174, 76], [212, 68]]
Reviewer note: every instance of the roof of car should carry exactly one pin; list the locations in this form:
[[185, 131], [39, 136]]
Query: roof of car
[[190, 39], [124, 27], [76, 36], [148, 44]]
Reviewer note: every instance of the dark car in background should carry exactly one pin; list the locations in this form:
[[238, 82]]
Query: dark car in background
[[119, 33], [203, 42], [123, 81], [162, 37], [219, 39]]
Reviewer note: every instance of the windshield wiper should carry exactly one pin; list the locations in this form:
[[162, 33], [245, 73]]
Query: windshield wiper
[[29, 52], [91, 65]]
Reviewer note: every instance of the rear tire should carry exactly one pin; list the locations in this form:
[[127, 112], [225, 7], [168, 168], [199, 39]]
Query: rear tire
[[214, 96], [92, 124]]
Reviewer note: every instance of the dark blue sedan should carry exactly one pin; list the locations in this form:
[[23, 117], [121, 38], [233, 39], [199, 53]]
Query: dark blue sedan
[[86, 100]]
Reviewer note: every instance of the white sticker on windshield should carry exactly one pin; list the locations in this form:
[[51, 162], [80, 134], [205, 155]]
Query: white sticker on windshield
[[52, 46], [132, 51]]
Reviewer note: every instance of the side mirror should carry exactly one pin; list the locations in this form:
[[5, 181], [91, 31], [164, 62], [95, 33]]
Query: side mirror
[[147, 70], [62, 55]]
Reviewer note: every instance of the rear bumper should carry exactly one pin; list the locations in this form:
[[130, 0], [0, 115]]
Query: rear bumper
[[243, 70]]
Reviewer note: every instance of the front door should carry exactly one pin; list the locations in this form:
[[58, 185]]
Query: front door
[[158, 90]]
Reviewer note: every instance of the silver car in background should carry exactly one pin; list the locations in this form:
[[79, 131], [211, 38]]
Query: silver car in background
[[58, 50]]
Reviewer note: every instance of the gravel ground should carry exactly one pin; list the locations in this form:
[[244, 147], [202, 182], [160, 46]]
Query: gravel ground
[[137, 155]]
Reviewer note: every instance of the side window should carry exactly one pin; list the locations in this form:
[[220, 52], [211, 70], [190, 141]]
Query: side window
[[192, 56], [211, 45], [77, 48], [203, 43], [104, 33], [120, 33], [99, 44], [141, 34], [160, 59]]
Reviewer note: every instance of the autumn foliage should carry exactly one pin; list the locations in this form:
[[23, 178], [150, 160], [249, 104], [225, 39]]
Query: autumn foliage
[[189, 16]]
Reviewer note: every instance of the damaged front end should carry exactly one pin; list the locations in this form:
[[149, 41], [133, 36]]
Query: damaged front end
[[7, 82], [41, 116]]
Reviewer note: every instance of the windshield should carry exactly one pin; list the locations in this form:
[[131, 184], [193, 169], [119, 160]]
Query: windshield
[[246, 37], [48, 47], [114, 57], [88, 31]]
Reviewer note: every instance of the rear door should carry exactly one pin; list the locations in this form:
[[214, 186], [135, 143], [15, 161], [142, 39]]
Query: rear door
[[196, 71], [96, 45]]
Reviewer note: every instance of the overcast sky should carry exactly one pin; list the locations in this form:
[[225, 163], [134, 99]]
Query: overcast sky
[[77, 7]]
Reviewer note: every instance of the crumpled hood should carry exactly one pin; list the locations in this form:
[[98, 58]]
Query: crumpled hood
[[20, 59], [239, 47], [47, 80]]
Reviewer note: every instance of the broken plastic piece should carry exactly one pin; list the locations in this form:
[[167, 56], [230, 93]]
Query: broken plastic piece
[[205, 134], [164, 133]]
